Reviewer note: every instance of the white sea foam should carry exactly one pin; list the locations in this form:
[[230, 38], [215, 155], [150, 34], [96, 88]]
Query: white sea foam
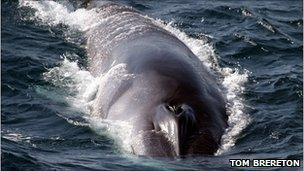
[[80, 88], [79, 84], [16, 137], [120, 131], [238, 120], [84, 85], [53, 13]]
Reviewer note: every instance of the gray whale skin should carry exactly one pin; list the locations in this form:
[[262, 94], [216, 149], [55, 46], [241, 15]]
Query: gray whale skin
[[171, 100]]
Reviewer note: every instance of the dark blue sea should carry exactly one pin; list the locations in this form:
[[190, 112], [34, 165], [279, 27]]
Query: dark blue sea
[[254, 47]]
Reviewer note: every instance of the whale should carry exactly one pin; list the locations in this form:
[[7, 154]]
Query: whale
[[155, 83]]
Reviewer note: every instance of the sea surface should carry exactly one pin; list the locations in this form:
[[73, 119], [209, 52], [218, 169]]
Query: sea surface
[[254, 47]]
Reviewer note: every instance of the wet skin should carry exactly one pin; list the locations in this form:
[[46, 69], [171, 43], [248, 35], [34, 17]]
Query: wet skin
[[172, 101]]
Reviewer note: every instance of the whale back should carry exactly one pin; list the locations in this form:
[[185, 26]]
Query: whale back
[[158, 70]]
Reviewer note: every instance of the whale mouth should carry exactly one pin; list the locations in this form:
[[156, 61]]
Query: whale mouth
[[154, 144], [178, 122], [175, 128], [160, 144]]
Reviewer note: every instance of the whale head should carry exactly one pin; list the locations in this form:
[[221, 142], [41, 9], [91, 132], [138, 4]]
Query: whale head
[[173, 111]]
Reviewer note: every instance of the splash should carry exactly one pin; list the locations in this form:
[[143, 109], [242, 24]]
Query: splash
[[83, 85], [53, 13], [78, 87], [120, 131], [238, 120]]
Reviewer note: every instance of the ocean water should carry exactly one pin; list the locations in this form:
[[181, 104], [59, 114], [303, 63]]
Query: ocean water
[[255, 48]]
